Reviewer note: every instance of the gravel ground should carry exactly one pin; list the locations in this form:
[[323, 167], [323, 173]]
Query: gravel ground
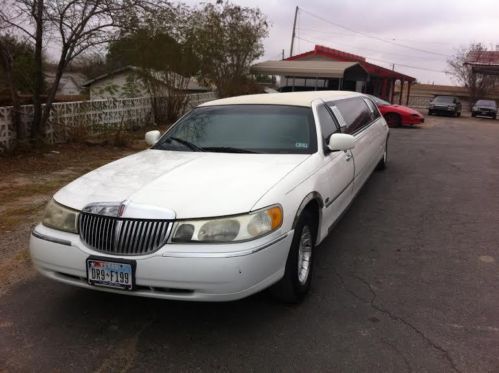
[[407, 281]]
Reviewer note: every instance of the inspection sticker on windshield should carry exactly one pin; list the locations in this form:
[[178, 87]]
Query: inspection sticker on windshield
[[301, 145]]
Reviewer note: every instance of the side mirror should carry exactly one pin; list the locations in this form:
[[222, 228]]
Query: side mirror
[[152, 137], [341, 141]]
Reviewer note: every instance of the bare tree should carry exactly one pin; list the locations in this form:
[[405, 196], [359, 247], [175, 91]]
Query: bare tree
[[478, 85], [7, 64], [73, 26]]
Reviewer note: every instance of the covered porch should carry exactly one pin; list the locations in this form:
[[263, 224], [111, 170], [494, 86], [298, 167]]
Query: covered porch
[[314, 75], [380, 81]]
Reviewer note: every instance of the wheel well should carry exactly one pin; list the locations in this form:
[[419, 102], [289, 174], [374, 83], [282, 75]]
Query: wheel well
[[314, 209]]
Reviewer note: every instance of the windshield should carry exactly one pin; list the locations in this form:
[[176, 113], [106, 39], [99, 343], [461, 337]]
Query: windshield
[[444, 99], [244, 129], [486, 103], [379, 101]]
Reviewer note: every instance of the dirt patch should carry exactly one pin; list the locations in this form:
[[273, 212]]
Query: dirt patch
[[28, 182]]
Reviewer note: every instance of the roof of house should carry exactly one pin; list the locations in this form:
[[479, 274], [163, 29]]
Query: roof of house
[[313, 69], [108, 75], [483, 58], [290, 98], [485, 62], [192, 85], [338, 55]]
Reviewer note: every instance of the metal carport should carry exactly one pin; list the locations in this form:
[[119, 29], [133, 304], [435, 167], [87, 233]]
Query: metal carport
[[315, 70]]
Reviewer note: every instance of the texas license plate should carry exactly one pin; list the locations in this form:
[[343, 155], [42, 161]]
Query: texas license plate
[[112, 274]]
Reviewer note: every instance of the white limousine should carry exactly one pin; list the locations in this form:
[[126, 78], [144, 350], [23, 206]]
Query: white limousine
[[231, 200]]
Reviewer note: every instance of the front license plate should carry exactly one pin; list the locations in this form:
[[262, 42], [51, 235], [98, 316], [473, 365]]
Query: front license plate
[[111, 274]]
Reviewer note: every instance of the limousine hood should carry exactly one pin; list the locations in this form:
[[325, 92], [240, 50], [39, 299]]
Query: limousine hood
[[192, 184]]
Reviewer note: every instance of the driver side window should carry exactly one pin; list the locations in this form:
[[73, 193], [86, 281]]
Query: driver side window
[[327, 123]]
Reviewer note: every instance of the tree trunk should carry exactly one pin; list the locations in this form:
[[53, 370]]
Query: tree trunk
[[37, 126], [6, 63], [45, 114]]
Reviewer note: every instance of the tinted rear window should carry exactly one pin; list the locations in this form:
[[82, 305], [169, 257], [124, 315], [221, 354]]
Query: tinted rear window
[[355, 112]]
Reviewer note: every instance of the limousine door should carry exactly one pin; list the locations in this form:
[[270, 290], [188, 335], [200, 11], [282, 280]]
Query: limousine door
[[359, 121], [337, 173]]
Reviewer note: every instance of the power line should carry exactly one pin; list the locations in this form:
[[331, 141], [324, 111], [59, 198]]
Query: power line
[[368, 49], [372, 36], [350, 35], [388, 62]]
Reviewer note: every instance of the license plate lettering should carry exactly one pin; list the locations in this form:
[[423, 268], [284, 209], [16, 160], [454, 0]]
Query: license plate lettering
[[118, 275]]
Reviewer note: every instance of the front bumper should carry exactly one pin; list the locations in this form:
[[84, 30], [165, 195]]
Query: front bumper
[[442, 110], [410, 119], [177, 271], [484, 113]]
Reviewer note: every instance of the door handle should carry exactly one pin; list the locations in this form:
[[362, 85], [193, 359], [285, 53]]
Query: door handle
[[348, 156]]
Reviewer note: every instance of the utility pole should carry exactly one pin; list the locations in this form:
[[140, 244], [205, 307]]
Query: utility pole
[[294, 33], [283, 54], [393, 66]]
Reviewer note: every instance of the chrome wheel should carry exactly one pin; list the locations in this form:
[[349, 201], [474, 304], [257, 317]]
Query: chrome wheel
[[304, 254]]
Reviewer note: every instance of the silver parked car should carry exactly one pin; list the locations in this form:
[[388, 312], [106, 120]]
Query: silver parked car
[[484, 108]]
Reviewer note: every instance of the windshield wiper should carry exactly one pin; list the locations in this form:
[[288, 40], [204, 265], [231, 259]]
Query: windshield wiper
[[190, 145], [227, 149]]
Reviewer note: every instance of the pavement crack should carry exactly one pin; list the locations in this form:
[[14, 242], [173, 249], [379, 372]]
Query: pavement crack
[[394, 317]]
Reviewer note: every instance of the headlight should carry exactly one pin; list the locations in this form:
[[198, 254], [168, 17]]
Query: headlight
[[451, 107], [60, 217], [229, 229]]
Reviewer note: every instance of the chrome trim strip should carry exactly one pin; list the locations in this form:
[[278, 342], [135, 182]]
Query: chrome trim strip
[[51, 239], [232, 254]]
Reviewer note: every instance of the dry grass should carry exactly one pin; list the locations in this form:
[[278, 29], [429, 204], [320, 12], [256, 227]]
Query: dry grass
[[15, 216], [26, 190]]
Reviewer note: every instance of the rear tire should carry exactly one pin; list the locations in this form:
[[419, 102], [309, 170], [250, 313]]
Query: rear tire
[[295, 284]]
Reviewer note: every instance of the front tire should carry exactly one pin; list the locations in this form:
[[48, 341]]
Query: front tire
[[383, 161], [393, 120], [295, 284]]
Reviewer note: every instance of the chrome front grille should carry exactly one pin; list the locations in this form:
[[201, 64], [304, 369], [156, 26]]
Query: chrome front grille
[[123, 236]]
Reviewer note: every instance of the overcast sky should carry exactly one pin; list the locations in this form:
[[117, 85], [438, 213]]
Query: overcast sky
[[438, 26]]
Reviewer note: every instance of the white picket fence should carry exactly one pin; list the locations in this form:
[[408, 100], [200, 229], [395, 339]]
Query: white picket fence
[[95, 116]]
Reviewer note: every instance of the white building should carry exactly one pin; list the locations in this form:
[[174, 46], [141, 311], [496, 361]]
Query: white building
[[128, 82]]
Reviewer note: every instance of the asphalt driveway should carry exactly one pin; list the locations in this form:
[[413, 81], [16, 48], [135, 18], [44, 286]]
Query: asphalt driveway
[[407, 281]]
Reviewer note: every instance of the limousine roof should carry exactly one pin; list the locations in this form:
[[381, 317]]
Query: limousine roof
[[290, 98]]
